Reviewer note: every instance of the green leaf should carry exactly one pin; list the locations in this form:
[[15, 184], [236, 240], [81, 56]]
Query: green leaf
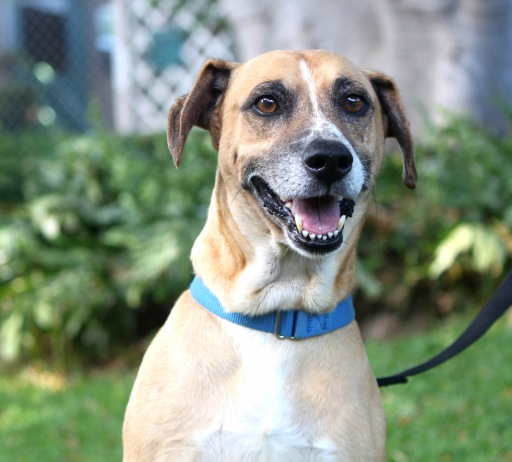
[[11, 336], [486, 247]]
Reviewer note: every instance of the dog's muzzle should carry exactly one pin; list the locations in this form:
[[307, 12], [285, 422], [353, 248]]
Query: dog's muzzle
[[315, 225]]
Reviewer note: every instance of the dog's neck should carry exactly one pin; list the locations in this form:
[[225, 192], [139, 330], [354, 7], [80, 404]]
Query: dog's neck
[[256, 277]]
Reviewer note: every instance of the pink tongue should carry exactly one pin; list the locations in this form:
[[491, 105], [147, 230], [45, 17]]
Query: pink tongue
[[319, 215]]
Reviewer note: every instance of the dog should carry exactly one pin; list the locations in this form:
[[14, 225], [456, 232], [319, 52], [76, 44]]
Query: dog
[[300, 140]]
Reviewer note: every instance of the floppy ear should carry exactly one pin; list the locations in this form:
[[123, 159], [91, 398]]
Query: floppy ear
[[199, 107], [396, 124]]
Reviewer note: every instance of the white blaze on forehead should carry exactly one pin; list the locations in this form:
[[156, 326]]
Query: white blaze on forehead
[[325, 128], [320, 122], [307, 75]]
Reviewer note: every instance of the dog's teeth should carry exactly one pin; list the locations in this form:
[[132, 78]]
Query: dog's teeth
[[339, 198], [289, 204], [324, 237], [330, 234], [305, 233], [336, 233], [312, 236], [341, 223], [298, 223]]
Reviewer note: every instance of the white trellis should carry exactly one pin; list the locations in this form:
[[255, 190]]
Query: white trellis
[[143, 91]]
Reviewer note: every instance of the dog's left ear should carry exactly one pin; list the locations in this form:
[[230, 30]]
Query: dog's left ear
[[199, 106], [395, 121]]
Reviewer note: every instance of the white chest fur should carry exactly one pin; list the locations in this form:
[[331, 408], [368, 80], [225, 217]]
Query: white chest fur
[[260, 421]]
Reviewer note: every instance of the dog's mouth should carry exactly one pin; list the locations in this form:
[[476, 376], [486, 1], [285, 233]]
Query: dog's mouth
[[313, 224]]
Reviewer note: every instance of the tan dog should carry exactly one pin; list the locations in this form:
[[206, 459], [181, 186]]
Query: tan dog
[[295, 132]]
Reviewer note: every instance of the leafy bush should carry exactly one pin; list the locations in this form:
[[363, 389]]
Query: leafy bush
[[96, 230], [444, 245], [106, 225]]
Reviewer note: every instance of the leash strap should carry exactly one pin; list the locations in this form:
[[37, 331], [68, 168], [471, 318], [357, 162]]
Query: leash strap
[[488, 315]]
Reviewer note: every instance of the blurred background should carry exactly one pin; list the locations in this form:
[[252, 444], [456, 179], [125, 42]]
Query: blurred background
[[96, 225]]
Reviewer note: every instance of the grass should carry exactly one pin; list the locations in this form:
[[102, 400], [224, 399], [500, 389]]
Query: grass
[[461, 411], [48, 418]]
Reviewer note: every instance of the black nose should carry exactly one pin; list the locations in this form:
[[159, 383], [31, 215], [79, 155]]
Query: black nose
[[328, 161]]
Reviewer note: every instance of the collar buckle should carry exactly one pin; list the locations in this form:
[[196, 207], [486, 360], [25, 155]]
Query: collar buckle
[[277, 328]]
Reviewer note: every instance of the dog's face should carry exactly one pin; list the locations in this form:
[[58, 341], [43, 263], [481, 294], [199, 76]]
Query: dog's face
[[301, 134]]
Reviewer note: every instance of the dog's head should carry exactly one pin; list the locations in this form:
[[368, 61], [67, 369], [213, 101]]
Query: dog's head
[[300, 133]]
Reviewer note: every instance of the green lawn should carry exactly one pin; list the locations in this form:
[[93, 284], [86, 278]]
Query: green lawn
[[42, 419], [459, 412]]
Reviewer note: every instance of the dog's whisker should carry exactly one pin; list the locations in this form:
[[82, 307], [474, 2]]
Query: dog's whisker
[[238, 189]]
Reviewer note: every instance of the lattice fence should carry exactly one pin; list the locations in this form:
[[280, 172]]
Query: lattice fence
[[131, 58], [160, 47]]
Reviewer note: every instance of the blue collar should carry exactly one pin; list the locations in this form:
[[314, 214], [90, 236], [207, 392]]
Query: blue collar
[[286, 324]]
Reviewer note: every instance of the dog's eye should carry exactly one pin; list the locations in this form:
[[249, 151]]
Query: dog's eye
[[267, 105], [354, 104]]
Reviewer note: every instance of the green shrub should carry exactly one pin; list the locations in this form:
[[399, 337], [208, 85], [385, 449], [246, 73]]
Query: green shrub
[[445, 244], [96, 231], [105, 227]]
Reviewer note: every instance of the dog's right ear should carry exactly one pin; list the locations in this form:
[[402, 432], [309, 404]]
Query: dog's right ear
[[199, 107]]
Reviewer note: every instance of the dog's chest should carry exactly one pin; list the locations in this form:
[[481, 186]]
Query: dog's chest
[[261, 420]]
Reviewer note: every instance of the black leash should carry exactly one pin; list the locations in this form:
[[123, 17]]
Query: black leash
[[488, 315]]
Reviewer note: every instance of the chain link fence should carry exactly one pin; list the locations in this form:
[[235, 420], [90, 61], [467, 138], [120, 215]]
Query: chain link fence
[[65, 62]]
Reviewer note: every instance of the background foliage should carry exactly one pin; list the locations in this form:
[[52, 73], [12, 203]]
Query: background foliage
[[93, 228], [443, 246], [95, 233]]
